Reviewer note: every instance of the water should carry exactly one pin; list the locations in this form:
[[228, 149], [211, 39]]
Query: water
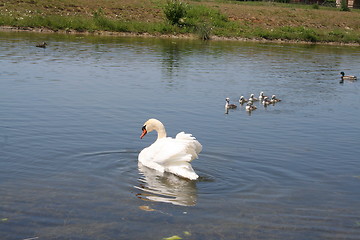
[[71, 117]]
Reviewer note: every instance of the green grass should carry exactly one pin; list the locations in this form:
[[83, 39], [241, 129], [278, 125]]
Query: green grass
[[197, 19], [82, 24], [290, 33], [204, 20], [282, 4]]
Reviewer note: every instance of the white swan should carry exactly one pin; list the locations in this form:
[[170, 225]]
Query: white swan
[[266, 101], [252, 98], [261, 96], [229, 105], [168, 154], [274, 99], [242, 100], [250, 107]]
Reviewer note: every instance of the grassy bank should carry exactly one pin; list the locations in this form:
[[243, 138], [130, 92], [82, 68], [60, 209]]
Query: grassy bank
[[203, 19]]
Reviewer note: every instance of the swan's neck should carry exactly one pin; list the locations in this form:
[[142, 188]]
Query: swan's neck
[[161, 133], [154, 124], [160, 129]]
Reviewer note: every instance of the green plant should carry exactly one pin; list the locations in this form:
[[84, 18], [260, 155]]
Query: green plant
[[309, 35], [175, 11], [204, 30], [98, 13], [344, 6], [315, 6]]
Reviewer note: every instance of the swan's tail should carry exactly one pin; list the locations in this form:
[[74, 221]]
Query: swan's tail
[[182, 169]]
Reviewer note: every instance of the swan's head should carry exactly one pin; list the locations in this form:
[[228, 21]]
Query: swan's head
[[151, 125], [144, 131], [342, 73]]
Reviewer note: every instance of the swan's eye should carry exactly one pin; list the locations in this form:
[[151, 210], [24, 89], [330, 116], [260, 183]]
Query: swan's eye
[[144, 128]]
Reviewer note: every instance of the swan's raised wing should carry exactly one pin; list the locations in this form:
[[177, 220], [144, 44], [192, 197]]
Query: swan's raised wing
[[191, 143], [169, 151]]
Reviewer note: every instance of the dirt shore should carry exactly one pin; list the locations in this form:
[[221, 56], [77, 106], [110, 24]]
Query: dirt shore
[[169, 36]]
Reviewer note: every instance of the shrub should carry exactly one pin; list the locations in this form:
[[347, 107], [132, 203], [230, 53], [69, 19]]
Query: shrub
[[315, 6], [344, 6], [309, 35], [175, 11]]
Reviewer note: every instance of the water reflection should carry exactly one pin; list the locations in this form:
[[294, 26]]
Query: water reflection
[[349, 81], [171, 61], [165, 187]]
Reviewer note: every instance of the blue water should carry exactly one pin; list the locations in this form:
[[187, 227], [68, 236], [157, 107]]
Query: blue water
[[71, 117]]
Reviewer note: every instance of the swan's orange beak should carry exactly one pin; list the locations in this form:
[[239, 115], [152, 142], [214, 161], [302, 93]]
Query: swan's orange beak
[[144, 132]]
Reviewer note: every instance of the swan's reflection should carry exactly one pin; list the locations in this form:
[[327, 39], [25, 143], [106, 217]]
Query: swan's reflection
[[166, 187]]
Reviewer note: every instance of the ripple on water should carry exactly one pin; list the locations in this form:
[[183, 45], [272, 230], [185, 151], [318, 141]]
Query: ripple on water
[[220, 175], [225, 175], [107, 165]]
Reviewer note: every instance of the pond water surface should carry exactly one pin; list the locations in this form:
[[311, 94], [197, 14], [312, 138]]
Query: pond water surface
[[71, 117]]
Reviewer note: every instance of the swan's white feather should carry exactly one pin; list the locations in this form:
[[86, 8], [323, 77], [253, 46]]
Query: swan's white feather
[[172, 155]]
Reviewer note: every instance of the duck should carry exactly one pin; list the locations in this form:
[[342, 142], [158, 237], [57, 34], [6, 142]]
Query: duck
[[274, 99], [261, 96], [347, 77], [41, 45], [229, 105], [250, 106], [252, 98], [168, 154], [242, 100]]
